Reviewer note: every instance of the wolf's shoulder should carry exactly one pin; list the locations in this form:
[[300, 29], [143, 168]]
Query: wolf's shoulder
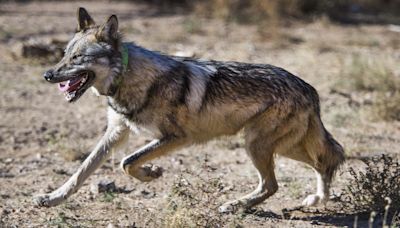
[[236, 69]]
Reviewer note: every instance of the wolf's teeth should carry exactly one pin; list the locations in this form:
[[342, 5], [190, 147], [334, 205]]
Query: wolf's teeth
[[82, 81], [69, 96]]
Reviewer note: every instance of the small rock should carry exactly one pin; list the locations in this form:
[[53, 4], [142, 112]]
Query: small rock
[[60, 171], [315, 223], [103, 186], [239, 162], [234, 146], [177, 161], [6, 175], [5, 196], [43, 129], [8, 160], [145, 194], [6, 211]]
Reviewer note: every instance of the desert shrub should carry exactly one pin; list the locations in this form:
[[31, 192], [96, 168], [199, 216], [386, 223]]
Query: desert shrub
[[376, 189]]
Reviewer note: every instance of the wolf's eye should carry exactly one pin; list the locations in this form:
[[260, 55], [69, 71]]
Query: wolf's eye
[[76, 56]]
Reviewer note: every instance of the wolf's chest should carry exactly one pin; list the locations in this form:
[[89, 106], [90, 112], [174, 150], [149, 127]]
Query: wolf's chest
[[142, 121]]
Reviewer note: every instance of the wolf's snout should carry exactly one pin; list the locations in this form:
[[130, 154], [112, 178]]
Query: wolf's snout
[[48, 75]]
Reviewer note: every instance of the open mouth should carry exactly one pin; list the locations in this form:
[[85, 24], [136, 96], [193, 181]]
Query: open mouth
[[76, 86]]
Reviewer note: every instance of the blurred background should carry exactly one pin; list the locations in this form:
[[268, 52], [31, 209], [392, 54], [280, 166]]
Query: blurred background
[[347, 49]]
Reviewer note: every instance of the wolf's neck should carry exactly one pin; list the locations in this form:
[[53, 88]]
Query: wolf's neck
[[145, 62], [144, 68]]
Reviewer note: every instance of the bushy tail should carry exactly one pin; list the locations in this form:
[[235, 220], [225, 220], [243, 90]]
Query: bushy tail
[[334, 154], [325, 151]]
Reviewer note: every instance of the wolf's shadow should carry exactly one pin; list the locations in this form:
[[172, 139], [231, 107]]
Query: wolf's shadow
[[322, 217]]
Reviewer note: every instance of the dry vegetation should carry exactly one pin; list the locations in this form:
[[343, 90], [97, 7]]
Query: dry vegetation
[[375, 189], [354, 68], [376, 81]]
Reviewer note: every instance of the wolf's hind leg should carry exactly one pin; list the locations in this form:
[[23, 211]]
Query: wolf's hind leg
[[262, 157], [322, 194], [133, 164], [325, 155], [298, 153]]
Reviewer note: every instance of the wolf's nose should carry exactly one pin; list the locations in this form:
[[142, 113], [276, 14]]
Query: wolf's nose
[[48, 75]]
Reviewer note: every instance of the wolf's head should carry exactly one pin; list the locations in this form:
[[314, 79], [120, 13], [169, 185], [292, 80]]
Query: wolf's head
[[91, 58]]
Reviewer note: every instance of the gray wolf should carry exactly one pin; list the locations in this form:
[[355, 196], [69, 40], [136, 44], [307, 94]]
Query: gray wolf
[[184, 101]]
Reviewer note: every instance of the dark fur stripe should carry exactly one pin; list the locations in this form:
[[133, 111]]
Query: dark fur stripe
[[150, 93]]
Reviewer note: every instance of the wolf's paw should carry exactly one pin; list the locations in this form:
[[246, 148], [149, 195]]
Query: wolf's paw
[[313, 200], [144, 173], [46, 200], [230, 207], [152, 171]]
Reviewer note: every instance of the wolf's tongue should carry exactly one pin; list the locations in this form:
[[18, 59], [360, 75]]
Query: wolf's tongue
[[63, 86], [69, 85]]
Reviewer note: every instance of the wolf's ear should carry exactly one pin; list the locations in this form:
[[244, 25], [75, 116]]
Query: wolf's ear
[[109, 30], [84, 19]]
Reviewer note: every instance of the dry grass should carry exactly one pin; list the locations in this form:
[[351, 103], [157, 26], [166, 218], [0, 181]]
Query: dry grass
[[266, 14], [368, 74], [376, 83], [387, 106]]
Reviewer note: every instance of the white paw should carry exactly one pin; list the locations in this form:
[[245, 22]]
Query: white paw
[[312, 200], [47, 200], [229, 207]]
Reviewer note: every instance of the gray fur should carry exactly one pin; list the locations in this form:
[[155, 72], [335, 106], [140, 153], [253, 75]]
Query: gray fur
[[184, 101]]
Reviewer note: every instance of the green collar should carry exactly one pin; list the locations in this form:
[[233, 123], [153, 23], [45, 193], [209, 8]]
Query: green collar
[[125, 57], [125, 62]]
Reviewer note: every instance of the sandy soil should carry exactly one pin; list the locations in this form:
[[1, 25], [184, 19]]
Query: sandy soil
[[41, 135]]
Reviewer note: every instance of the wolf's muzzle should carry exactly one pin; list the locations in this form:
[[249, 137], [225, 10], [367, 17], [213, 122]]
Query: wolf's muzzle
[[48, 75]]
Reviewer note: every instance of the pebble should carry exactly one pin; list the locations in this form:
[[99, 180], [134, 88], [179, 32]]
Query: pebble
[[103, 186], [8, 160]]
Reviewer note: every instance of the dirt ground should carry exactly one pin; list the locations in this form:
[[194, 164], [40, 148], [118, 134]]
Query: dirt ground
[[42, 137]]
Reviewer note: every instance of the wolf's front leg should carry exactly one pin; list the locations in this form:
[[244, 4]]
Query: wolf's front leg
[[133, 164], [116, 133]]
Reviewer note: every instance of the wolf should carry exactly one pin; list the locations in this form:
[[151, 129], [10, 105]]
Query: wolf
[[184, 101]]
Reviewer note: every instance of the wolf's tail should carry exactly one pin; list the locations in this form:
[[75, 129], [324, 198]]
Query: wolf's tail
[[324, 150]]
